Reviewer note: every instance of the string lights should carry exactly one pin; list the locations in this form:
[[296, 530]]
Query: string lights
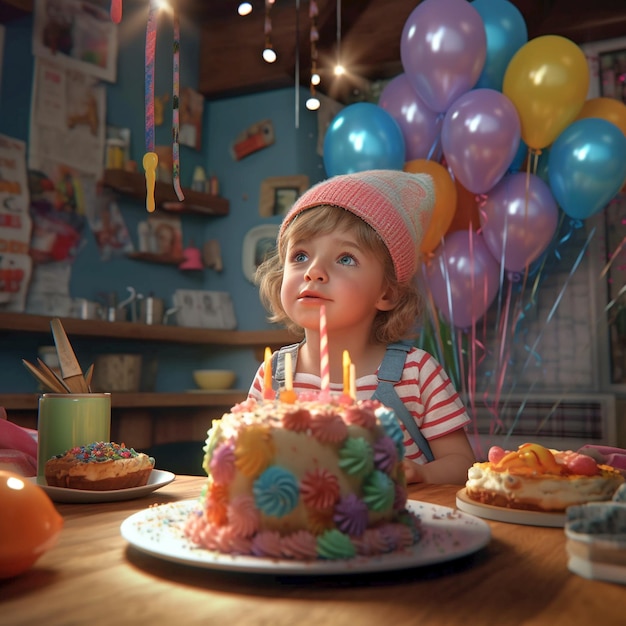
[[269, 54], [244, 8], [313, 102]]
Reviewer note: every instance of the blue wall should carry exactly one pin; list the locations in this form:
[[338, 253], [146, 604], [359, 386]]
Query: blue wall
[[292, 153]]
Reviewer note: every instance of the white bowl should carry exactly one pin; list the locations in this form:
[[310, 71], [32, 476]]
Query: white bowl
[[214, 379]]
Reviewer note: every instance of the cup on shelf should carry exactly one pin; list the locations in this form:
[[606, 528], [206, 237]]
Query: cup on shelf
[[66, 420]]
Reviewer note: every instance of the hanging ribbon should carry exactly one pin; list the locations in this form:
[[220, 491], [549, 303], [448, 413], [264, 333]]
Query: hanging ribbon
[[150, 158], [176, 111], [116, 11]]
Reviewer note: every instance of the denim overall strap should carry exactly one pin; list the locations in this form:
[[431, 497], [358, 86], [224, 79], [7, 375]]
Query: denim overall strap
[[389, 373], [278, 364]]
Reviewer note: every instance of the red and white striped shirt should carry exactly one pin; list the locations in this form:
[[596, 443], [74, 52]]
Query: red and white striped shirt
[[425, 389]]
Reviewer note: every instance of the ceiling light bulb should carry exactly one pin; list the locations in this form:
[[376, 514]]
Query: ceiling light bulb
[[340, 70], [315, 79], [312, 104], [269, 56], [245, 8]]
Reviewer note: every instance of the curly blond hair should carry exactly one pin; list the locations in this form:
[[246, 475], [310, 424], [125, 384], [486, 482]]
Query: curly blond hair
[[389, 326]]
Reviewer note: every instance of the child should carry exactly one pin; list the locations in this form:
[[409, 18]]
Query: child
[[351, 243]]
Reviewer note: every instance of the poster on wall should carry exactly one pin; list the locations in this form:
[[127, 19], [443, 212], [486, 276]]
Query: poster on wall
[[77, 35], [15, 225], [67, 118]]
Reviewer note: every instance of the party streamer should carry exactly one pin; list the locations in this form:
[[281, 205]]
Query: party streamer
[[176, 111], [116, 11], [150, 158]]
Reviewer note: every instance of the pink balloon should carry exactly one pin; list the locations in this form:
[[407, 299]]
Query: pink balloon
[[419, 125], [480, 136], [519, 220], [463, 278], [443, 48]]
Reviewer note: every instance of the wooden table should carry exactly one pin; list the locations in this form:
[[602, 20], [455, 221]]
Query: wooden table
[[92, 576]]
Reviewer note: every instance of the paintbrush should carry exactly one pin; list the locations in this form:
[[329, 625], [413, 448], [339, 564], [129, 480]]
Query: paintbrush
[[70, 367], [49, 382]]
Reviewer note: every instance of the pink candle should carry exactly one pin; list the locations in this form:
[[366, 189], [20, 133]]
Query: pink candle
[[324, 361]]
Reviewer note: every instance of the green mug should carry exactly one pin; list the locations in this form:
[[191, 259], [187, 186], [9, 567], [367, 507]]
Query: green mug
[[66, 420]]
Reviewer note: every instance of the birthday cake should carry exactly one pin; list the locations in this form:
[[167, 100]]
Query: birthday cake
[[540, 479], [305, 480]]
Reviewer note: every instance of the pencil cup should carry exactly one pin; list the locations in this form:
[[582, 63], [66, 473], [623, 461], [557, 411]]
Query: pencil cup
[[66, 420]]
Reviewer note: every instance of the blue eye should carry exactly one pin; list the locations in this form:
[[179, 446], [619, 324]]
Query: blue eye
[[299, 257], [347, 259]]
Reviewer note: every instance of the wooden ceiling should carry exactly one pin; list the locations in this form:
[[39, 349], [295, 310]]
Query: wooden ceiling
[[370, 38]]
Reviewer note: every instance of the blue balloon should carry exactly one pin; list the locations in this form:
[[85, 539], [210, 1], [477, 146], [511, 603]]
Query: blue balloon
[[587, 166], [361, 137], [520, 157], [506, 33]]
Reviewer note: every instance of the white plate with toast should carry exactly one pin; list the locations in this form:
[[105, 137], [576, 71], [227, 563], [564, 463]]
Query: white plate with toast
[[157, 479]]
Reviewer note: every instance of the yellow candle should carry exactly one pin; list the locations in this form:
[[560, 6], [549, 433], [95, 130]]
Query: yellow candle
[[346, 372], [288, 372], [352, 381], [268, 392], [288, 394]]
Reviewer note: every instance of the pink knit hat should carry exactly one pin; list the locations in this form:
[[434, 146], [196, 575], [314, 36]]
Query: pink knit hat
[[397, 205]]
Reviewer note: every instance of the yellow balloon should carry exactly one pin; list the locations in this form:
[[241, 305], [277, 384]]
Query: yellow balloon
[[445, 200], [608, 109], [547, 80]]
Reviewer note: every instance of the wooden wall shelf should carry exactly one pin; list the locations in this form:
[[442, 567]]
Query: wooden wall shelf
[[23, 322], [29, 401], [134, 184]]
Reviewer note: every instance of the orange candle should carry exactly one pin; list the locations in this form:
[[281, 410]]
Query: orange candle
[[268, 392], [346, 372]]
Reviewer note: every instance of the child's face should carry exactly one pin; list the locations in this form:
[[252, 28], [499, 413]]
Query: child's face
[[333, 269]]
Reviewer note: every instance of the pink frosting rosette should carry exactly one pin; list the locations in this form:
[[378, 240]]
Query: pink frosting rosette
[[299, 545], [319, 489], [267, 543], [328, 427], [243, 516], [297, 420], [222, 464]]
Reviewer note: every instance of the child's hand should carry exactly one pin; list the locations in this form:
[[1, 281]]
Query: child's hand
[[413, 472]]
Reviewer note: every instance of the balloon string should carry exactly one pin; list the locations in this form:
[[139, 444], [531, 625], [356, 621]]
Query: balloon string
[[532, 351], [176, 110], [612, 258]]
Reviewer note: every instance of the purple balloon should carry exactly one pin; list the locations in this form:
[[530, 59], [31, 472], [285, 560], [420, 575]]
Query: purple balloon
[[419, 125], [463, 278], [480, 136], [443, 47], [519, 220]]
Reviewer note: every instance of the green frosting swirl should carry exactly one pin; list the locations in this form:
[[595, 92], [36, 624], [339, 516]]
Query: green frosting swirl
[[378, 491], [356, 457], [333, 544]]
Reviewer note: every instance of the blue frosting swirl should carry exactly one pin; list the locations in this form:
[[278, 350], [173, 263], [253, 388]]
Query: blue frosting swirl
[[276, 491], [392, 428]]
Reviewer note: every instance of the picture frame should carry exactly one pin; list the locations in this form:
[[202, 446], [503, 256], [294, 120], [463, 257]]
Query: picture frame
[[278, 193], [256, 244]]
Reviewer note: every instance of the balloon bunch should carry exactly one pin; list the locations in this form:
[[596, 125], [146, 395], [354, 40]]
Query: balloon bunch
[[503, 126], [477, 102]]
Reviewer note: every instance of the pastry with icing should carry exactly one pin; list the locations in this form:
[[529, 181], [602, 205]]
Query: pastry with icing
[[540, 479], [99, 466]]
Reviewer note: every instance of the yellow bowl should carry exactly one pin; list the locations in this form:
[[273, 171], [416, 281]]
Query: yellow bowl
[[214, 379]]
